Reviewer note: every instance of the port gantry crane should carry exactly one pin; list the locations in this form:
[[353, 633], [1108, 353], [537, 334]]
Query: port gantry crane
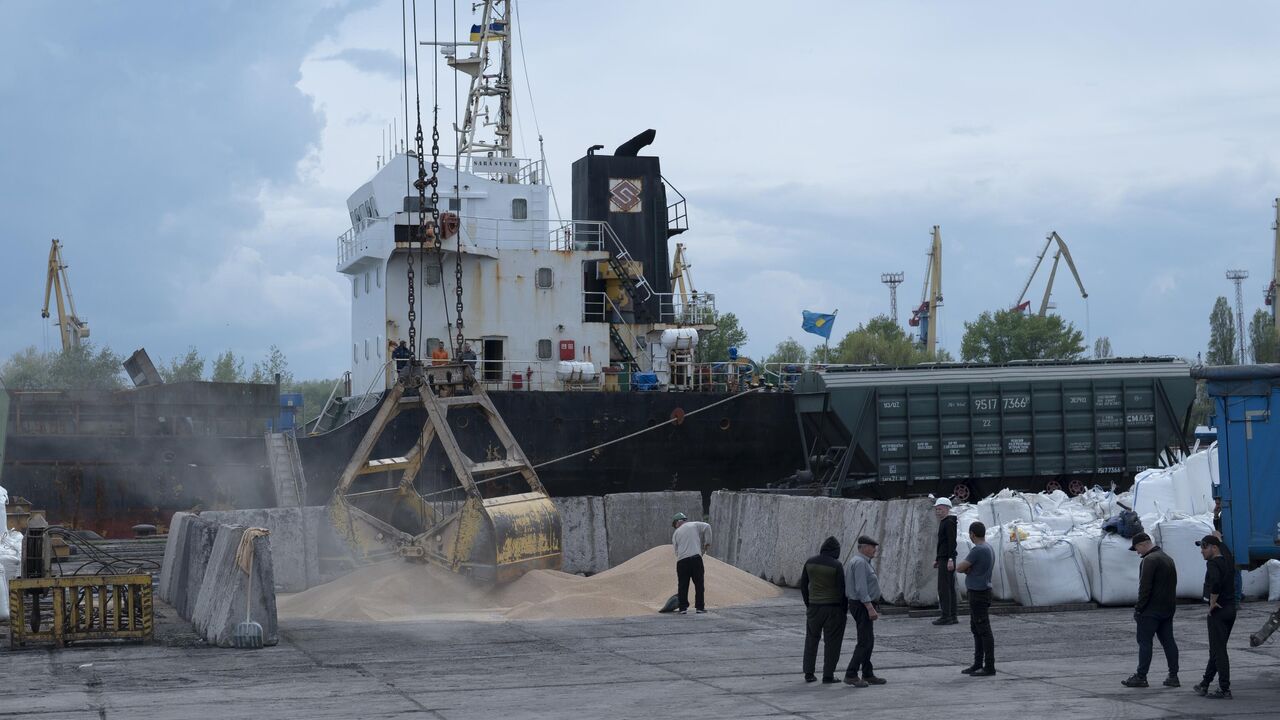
[[1061, 253], [925, 317], [70, 326]]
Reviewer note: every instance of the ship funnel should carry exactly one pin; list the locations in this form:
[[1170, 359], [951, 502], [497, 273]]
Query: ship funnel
[[632, 147]]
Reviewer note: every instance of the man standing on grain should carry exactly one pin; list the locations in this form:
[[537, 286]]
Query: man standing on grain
[[690, 540]]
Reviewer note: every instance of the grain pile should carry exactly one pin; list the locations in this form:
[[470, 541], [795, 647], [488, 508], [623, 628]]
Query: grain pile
[[396, 590]]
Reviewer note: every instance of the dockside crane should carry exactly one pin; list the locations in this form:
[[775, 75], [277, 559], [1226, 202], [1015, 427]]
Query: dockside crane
[[925, 317], [70, 326], [1060, 253], [1275, 267]]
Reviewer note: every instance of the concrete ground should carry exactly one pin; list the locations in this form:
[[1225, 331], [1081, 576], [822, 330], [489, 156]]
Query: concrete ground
[[731, 663]]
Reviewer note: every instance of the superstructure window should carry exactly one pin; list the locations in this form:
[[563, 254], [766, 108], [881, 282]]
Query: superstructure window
[[545, 278], [355, 287], [379, 274], [519, 209], [455, 204], [544, 349], [366, 348], [355, 353], [366, 282], [432, 273], [377, 345]]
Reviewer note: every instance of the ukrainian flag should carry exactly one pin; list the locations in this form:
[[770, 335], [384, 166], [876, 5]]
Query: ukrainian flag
[[496, 30], [818, 323]]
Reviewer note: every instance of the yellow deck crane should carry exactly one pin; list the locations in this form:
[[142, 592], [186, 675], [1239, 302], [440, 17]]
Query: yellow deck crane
[[1060, 253], [70, 326], [1275, 268], [925, 317]]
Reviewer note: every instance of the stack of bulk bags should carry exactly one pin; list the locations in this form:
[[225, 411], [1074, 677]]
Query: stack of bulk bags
[[1046, 570], [1273, 569], [1048, 501], [1005, 507], [1257, 582], [1000, 589], [1194, 484], [1059, 522], [1177, 536], [1113, 571]]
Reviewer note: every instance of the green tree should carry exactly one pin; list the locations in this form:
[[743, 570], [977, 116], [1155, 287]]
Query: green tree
[[1102, 348], [227, 368], [1005, 335], [881, 341], [314, 395], [714, 346], [78, 368], [1222, 334], [188, 368], [1263, 338], [275, 363], [787, 351]]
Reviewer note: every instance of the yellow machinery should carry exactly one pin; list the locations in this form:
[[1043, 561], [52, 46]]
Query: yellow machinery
[[1061, 253], [70, 326], [925, 317], [490, 520]]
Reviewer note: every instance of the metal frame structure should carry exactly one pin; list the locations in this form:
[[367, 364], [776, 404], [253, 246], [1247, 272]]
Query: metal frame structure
[[470, 528], [87, 607], [1060, 254], [70, 327]]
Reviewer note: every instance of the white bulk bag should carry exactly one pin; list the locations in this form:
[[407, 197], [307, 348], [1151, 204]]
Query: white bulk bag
[[1048, 501], [1046, 570], [1257, 582], [4, 593], [1059, 522], [1154, 493], [1008, 506], [999, 580], [1273, 569], [1177, 536], [1114, 580], [1199, 480]]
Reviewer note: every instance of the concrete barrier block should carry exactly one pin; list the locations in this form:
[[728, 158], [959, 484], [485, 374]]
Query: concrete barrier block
[[725, 506], [293, 542], [757, 534], [906, 550], [584, 542], [636, 522], [172, 557], [803, 523], [225, 593], [191, 541]]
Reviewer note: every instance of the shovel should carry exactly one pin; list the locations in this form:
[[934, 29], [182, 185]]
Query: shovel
[[248, 634]]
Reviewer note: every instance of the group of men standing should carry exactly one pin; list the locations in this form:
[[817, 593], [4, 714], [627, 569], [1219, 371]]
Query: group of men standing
[[831, 589]]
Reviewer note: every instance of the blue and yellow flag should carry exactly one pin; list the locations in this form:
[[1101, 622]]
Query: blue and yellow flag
[[818, 323], [496, 30]]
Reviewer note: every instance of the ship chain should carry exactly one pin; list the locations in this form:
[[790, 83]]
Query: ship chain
[[421, 185]]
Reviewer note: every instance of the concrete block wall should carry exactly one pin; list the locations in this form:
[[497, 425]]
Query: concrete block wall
[[584, 540], [186, 557], [771, 536], [636, 522], [225, 591], [293, 542]]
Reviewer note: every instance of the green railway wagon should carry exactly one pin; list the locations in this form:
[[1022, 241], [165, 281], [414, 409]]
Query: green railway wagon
[[959, 429]]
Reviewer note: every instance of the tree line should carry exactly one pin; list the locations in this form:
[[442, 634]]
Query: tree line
[[89, 367]]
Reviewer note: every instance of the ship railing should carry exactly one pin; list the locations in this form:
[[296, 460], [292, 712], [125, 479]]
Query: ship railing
[[580, 235], [532, 174], [786, 375], [496, 233], [696, 309], [724, 376], [677, 211], [524, 375], [342, 382], [351, 243]]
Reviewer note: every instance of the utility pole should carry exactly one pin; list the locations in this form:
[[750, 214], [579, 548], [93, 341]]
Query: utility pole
[[893, 280], [1237, 277]]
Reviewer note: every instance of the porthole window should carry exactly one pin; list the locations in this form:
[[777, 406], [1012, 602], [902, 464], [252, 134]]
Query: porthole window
[[544, 349], [432, 273], [519, 209], [545, 278]]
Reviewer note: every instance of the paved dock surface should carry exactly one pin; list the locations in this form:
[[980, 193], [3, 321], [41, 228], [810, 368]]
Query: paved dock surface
[[730, 663]]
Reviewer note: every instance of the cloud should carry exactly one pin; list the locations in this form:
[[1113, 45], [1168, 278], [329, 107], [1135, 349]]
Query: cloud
[[375, 62]]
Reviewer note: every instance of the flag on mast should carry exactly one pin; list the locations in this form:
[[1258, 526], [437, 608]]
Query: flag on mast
[[818, 323]]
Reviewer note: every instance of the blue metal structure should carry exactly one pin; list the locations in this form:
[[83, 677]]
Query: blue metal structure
[[1248, 457]]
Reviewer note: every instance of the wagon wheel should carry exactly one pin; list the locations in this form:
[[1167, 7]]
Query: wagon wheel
[[1052, 486], [1075, 487], [961, 493]]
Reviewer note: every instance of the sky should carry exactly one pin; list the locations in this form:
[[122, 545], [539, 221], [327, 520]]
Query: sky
[[195, 158]]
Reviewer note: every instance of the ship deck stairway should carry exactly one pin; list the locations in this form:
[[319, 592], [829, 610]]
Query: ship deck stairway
[[285, 464]]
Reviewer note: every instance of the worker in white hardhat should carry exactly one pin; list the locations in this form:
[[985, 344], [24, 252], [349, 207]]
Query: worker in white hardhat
[[690, 540], [945, 561]]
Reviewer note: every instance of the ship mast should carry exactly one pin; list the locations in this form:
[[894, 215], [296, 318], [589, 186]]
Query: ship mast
[[494, 27]]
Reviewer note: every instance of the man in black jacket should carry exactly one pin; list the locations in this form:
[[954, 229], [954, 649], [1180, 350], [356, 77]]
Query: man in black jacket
[[822, 587], [945, 561], [1219, 590], [1157, 598]]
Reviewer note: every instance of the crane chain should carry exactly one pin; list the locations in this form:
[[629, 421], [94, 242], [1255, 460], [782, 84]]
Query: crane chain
[[421, 185]]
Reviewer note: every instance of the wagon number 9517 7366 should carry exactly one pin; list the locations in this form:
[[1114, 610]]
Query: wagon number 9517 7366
[[1017, 402]]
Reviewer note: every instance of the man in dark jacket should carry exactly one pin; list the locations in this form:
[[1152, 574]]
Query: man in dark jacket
[[945, 561], [822, 587], [1157, 598], [1219, 590]]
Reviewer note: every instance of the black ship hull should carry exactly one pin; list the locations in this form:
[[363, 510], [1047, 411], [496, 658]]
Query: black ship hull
[[109, 482]]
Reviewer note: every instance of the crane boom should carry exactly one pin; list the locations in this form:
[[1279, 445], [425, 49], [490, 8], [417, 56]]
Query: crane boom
[[1059, 254], [71, 328]]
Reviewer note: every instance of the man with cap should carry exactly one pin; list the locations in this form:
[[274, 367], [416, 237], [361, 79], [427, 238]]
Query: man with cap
[[945, 561], [822, 587], [1157, 600], [977, 567], [1219, 590], [862, 590], [690, 540]]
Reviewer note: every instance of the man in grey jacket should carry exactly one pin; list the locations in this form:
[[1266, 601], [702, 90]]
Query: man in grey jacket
[[862, 588]]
